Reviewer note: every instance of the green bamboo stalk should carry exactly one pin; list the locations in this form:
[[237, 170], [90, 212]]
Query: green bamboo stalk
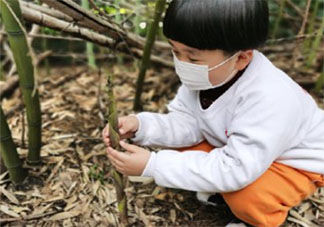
[[9, 153], [45, 47], [278, 19], [315, 45], [120, 181], [118, 19], [137, 17], [2, 166], [319, 86], [150, 38], [11, 16], [2, 77], [311, 24], [137, 22], [89, 45]]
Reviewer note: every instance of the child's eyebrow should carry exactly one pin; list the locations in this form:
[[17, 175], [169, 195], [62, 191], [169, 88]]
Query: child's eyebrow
[[192, 51]]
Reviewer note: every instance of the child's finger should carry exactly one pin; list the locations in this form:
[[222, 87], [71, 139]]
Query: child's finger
[[121, 156], [129, 147], [122, 131], [120, 122], [107, 142], [126, 135], [121, 126], [116, 162], [117, 165], [105, 132]]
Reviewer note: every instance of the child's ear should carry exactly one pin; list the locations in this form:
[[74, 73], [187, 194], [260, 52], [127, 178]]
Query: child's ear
[[244, 58]]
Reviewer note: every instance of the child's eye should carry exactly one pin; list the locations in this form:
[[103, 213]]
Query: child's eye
[[176, 53], [193, 60]]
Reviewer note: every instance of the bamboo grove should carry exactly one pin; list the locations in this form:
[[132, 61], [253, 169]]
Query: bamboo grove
[[79, 21]]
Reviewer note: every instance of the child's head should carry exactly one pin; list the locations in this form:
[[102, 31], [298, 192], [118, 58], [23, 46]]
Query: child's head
[[206, 32], [228, 25]]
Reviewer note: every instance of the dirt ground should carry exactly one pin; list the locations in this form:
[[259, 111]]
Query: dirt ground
[[73, 186]]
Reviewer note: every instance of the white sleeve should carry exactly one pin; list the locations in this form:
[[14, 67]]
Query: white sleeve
[[261, 129], [178, 128]]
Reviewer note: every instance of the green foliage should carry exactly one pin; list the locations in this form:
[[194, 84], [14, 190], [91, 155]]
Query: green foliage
[[97, 174], [287, 23], [49, 31]]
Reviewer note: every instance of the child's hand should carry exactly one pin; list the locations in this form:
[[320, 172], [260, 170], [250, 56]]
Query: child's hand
[[132, 162], [127, 127]]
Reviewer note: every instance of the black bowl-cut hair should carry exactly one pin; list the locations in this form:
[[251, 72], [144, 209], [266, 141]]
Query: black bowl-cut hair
[[228, 25]]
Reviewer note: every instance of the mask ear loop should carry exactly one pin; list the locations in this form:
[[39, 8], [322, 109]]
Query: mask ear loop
[[233, 73], [224, 62]]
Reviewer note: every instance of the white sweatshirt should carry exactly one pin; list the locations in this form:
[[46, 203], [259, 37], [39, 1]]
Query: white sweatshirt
[[263, 117]]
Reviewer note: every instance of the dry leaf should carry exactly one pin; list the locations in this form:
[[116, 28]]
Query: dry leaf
[[173, 215], [6, 210], [65, 215], [9, 195]]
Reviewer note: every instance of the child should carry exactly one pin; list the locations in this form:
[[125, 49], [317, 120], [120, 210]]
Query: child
[[264, 149]]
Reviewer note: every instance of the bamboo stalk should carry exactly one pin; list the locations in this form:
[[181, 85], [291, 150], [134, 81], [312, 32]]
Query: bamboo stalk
[[296, 8], [118, 19], [302, 28], [9, 153], [152, 30], [315, 45], [319, 86], [301, 32], [137, 17], [12, 20], [89, 45], [278, 18], [2, 77], [46, 10], [311, 24], [120, 181], [2, 165], [45, 47]]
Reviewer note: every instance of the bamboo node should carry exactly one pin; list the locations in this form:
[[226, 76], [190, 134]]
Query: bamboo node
[[15, 33]]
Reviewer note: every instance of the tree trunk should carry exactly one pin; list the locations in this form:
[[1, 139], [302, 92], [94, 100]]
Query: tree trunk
[[11, 16]]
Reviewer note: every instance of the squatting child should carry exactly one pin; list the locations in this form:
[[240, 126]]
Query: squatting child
[[246, 130]]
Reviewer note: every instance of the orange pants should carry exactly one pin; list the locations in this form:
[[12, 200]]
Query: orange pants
[[266, 201]]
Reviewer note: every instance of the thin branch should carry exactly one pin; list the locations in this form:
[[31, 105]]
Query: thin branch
[[91, 21], [301, 32], [46, 10], [296, 8], [302, 29], [43, 36], [298, 37]]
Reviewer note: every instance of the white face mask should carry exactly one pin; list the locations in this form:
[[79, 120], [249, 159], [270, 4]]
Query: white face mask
[[195, 77]]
